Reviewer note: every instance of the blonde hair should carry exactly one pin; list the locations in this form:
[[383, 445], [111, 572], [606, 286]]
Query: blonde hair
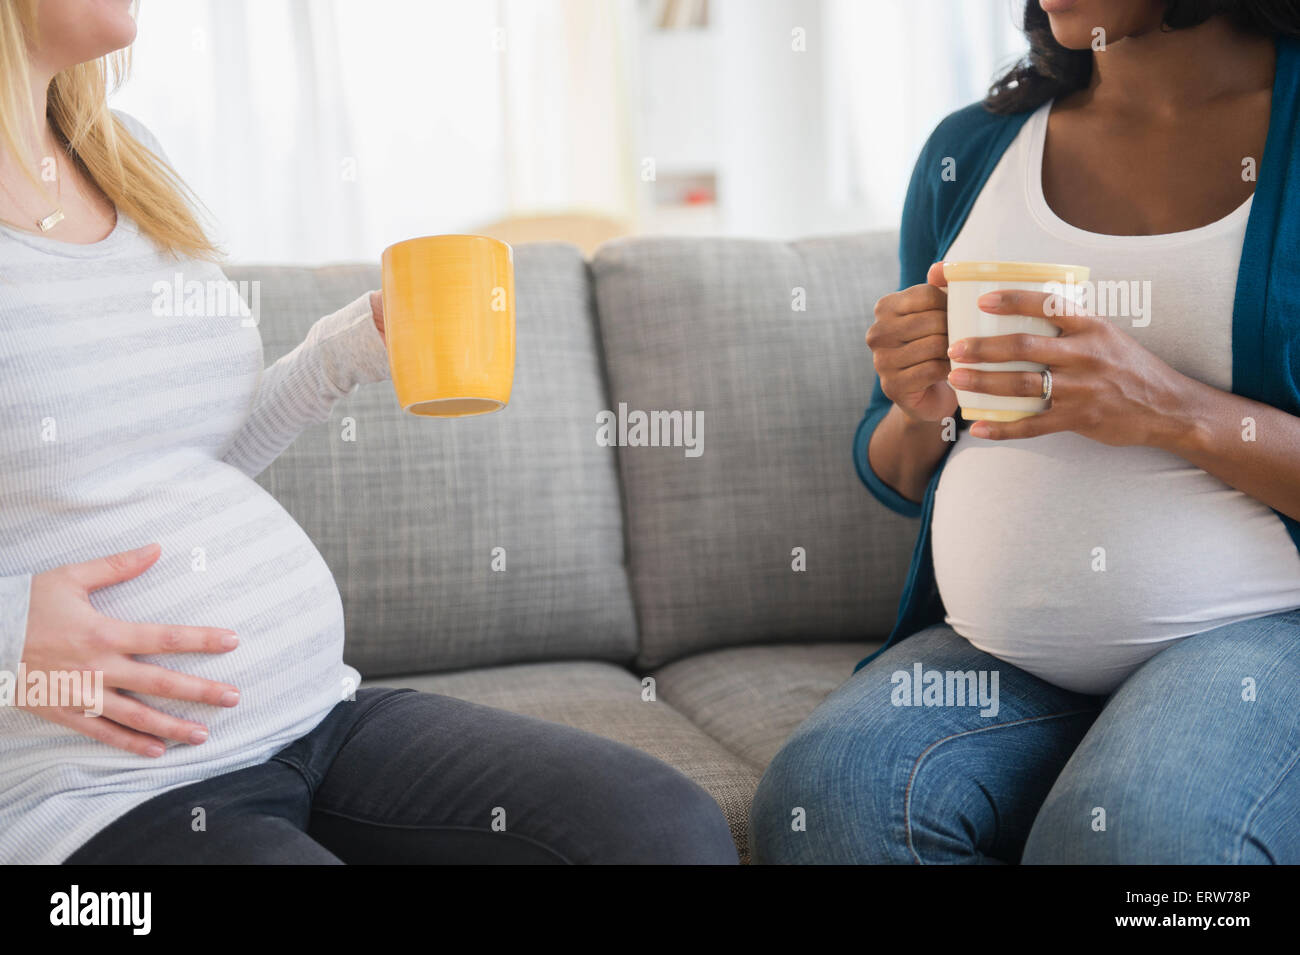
[[138, 182]]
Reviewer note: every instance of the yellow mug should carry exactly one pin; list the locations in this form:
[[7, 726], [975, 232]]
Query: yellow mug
[[449, 319]]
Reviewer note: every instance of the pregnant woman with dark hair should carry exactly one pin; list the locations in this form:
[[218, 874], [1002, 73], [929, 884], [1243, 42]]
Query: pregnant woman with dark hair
[[226, 696], [1126, 563]]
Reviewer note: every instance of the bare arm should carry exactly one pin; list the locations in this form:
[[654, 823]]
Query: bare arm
[[904, 452]]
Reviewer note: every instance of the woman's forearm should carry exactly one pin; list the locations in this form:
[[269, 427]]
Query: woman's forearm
[[904, 452], [340, 352], [1249, 445]]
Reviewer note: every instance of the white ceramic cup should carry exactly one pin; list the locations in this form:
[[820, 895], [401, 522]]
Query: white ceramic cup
[[967, 281]]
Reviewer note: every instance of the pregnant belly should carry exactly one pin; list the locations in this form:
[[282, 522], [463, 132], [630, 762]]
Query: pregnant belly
[[1077, 561], [231, 557]]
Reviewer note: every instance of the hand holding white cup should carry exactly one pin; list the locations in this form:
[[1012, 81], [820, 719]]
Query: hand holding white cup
[[967, 283]]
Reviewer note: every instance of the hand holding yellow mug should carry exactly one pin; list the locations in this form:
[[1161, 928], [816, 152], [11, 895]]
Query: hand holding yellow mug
[[449, 320]]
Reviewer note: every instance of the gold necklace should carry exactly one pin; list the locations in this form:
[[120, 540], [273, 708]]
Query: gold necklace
[[54, 218]]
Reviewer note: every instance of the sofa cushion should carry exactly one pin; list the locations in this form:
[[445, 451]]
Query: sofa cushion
[[408, 514], [606, 700], [751, 699], [713, 326]]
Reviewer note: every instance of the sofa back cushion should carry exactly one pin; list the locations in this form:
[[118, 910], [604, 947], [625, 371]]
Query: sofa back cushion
[[763, 342], [409, 513]]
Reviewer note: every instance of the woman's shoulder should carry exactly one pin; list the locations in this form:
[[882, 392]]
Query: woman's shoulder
[[972, 138], [139, 132], [952, 168], [970, 128]]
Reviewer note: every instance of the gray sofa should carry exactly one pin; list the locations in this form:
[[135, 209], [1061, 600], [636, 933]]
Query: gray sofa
[[623, 563]]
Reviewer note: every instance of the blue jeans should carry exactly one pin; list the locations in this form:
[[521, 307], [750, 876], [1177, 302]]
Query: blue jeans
[[1193, 760], [397, 776]]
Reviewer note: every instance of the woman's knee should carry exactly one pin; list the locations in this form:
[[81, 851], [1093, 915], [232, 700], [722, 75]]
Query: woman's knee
[[891, 786], [827, 798], [1165, 777], [1124, 815], [702, 833], [650, 812], [1111, 829]]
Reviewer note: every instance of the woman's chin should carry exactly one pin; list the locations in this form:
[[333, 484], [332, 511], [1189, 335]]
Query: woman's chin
[[1071, 33], [119, 27], [121, 42], [81, 31]]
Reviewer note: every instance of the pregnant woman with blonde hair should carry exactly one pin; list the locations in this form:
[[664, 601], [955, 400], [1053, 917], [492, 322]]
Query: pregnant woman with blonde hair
[[1125, 563], [129, 438]]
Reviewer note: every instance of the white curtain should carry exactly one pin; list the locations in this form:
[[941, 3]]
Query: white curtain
[[567, 97], [323, 130], [894, 69]]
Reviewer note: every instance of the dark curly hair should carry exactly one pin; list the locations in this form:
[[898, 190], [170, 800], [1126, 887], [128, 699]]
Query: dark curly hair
[[1049, 69]]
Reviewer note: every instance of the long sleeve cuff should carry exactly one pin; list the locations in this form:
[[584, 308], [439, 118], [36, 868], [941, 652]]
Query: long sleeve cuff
[[15, 598], [885, 494], [350, 349]]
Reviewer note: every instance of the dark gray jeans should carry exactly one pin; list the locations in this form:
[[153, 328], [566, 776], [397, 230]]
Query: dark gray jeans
[[399, 776]]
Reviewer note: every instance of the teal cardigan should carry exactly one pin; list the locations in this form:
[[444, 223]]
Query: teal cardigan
[[1266, 309]]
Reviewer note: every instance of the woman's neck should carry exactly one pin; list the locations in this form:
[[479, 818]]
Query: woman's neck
[[1169, 71], [36, 142]]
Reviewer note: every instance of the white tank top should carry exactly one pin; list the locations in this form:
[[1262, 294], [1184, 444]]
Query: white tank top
[[1074, 560]]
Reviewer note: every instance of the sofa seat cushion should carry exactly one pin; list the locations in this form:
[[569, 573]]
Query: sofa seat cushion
[[606, 700], [750, 699]]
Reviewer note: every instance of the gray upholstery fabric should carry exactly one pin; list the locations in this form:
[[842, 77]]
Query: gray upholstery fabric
[[708, 325], [751, 699], [606, 700], [408, 514]]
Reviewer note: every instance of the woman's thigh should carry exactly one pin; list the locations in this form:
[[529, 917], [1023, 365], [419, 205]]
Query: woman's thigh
[[868, 778], [400, 776], [1193, 760], [432, 779], [254, 816]]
